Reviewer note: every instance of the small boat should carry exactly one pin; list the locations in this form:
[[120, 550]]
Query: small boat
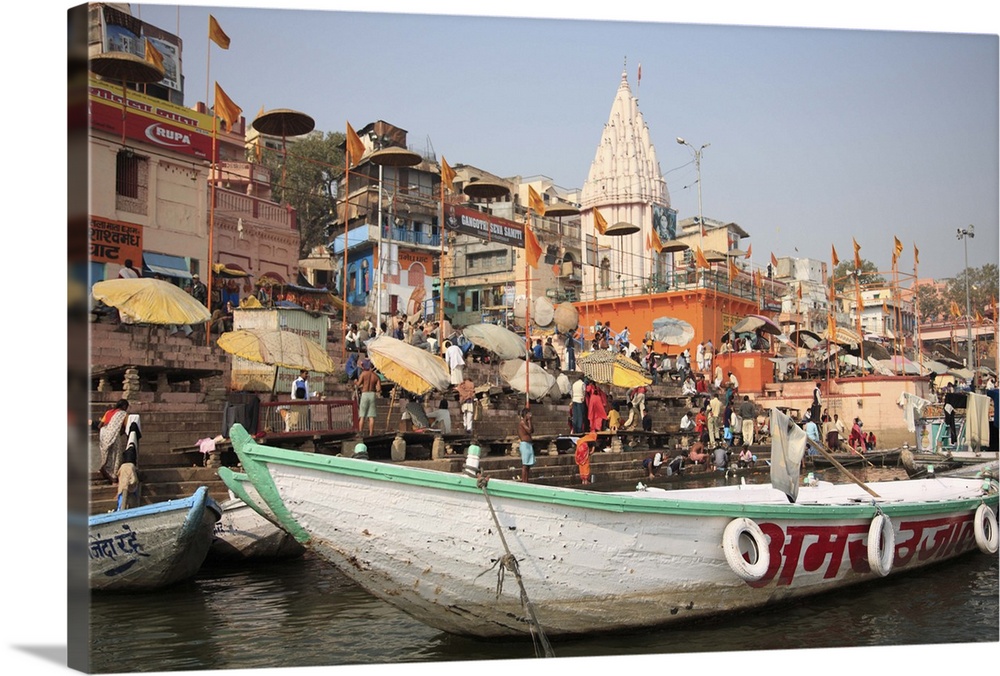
[[502, 558], [244, 532], [152, 546]]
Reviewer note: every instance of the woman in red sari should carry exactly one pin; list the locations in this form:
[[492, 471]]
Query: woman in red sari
[[597, 411], [584, 449]]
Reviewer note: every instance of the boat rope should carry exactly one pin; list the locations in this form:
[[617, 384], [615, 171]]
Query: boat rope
[[509, 562]]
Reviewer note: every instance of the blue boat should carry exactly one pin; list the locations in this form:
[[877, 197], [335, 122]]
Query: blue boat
[[152, 546]]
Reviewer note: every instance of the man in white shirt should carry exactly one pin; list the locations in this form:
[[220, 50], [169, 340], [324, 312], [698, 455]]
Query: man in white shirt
[[578, 407], [455, 360]]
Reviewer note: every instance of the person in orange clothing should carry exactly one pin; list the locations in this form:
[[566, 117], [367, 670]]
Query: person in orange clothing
[[585, 449]]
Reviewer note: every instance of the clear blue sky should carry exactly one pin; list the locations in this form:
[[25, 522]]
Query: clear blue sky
[[817, 135]]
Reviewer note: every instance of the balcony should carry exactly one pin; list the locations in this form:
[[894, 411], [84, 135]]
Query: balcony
[[240, 205]]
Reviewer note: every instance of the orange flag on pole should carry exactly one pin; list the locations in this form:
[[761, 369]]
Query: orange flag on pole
[[749, 251], [897, 249], [654, 241], [532, 249], [916, 256], [599, 222], [774, 262], [355, 148], [834, 258], [700, 259], [955, 311], [216, 34], [447, 174], [225, 108], [733, 270], [857, 254], [535, 202]]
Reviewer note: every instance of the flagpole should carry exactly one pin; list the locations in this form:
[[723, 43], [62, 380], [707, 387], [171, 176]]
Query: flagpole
[[208, 65], [343, 272], [916, 313], [211, 223], [527, 315], [441, 231]]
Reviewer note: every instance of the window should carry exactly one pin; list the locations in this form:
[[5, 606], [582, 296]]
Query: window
[[131, 181], [605, 273]]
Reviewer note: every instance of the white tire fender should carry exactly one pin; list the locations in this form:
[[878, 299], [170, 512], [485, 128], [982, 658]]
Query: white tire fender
[[985, 528], [881, 544], [746, 549]]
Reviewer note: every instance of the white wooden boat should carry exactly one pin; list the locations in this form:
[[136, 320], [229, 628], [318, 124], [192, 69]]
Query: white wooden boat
[[151, 546], [243, 532], [502, 558]]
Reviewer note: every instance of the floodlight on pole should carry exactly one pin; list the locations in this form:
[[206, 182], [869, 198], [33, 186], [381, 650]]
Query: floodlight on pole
[[964, 234], [697, 166]]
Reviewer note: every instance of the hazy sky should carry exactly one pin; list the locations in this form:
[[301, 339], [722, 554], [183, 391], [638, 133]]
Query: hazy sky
[[817, 135]]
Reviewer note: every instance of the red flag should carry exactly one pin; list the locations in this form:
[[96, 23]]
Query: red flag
[[532, 249]]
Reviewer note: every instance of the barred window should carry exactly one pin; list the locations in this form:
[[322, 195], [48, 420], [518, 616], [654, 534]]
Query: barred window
[[131, 181]]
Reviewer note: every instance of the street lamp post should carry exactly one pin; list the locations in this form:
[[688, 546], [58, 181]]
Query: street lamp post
[[697, 166], [964, 234]]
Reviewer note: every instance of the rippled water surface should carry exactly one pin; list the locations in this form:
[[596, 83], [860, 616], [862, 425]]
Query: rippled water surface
[[305, 613]]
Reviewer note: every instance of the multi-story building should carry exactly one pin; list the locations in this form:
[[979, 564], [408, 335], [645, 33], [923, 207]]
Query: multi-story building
[[157, 194]]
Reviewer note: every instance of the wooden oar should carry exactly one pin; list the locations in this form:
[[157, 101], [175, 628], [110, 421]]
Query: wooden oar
[[821, 447]]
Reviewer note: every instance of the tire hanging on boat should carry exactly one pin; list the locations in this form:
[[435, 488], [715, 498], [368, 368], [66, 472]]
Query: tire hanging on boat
[[985, 528], [881, 544], [753, 565]]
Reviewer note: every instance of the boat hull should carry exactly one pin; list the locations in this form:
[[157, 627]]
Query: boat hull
[[152, 546], [241, 534], [434, 545]]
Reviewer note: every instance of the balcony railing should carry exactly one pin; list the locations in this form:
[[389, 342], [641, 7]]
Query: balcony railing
[[297, 418], [411, 237], [241, 205]]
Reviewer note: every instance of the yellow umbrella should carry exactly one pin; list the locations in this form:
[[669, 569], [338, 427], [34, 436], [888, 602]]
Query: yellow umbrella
[[415, 370], [151, 301], [275, 347], [612, 369]]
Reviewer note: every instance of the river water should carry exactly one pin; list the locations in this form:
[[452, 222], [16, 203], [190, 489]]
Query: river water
[[303, 612]]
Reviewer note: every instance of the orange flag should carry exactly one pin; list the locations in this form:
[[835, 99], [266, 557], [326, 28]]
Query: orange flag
[[979, 317], [699, 258], [916, 256], [733, 270], [447, 175], [599, 222], [857, 254], [774, 262], [654, 241], [758, 278], [216, 34], [535, 202], [835, 259], [798, 292], [532, 249], [355, 148], [954, 309], [153, 55], [225, 108], [749, 251], [897, 249]]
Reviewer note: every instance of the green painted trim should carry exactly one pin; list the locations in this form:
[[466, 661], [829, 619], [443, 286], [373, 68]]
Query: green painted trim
[[235, 482], [244, 444], [637, 503]]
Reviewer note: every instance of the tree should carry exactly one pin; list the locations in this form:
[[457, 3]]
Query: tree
[[983, 288], [930, 304], [303, 177], [869, 275]]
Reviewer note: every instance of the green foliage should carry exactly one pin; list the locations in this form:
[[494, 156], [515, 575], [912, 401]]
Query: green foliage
[[983, 288], [303, 178], [869, 275]]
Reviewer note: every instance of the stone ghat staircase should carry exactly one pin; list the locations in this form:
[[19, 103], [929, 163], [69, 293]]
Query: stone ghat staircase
[[179, 388]]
